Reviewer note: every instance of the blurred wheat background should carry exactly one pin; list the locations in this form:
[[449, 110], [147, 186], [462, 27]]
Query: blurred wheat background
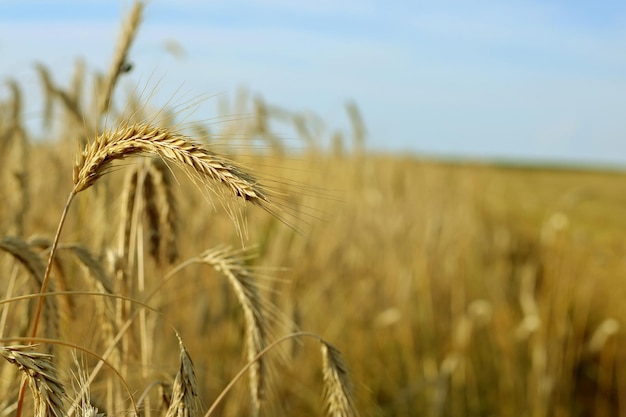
[[450, 288]]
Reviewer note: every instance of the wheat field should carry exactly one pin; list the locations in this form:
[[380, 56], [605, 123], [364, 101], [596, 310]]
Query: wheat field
[[153, 265]]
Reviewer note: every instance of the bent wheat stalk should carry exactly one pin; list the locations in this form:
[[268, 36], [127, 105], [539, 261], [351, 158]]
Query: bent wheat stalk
[[230, 264], [337, 383]]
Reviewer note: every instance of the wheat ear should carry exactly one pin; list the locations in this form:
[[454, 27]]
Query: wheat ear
[[136, 139], [337, 383], [119, 64], [48, 393], [230, 264], [184, 399]]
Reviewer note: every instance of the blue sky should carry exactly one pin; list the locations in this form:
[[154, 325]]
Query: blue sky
[[543, 80]]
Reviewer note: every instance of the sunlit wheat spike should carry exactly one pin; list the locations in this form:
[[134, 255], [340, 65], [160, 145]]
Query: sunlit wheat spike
[[229, 263], [47, 390], [135, 139], [337, 384], [129, 30], [184, 401]]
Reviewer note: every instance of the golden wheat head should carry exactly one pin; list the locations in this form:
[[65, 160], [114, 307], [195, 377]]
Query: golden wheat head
[[338, 386], [184, 400], [137, 139], [48, 393]]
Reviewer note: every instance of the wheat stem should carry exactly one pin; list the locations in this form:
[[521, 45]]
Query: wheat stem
[[250, 363], [44, 287]]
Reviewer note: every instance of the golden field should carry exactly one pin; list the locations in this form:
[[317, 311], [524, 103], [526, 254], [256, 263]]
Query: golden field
[[449, 288]]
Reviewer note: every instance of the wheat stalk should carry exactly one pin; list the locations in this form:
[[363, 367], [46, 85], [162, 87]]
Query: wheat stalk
[[337, 383]]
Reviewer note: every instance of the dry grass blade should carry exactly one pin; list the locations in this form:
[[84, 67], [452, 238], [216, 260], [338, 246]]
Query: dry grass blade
[[48, 393], [184, 400], [337, 384], [21, 251], [230, 264]]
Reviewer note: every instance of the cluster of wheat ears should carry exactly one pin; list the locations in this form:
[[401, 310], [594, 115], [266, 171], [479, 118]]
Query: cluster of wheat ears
[[58, 370]]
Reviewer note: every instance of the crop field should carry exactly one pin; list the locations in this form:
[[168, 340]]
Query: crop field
[[161, 266]]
